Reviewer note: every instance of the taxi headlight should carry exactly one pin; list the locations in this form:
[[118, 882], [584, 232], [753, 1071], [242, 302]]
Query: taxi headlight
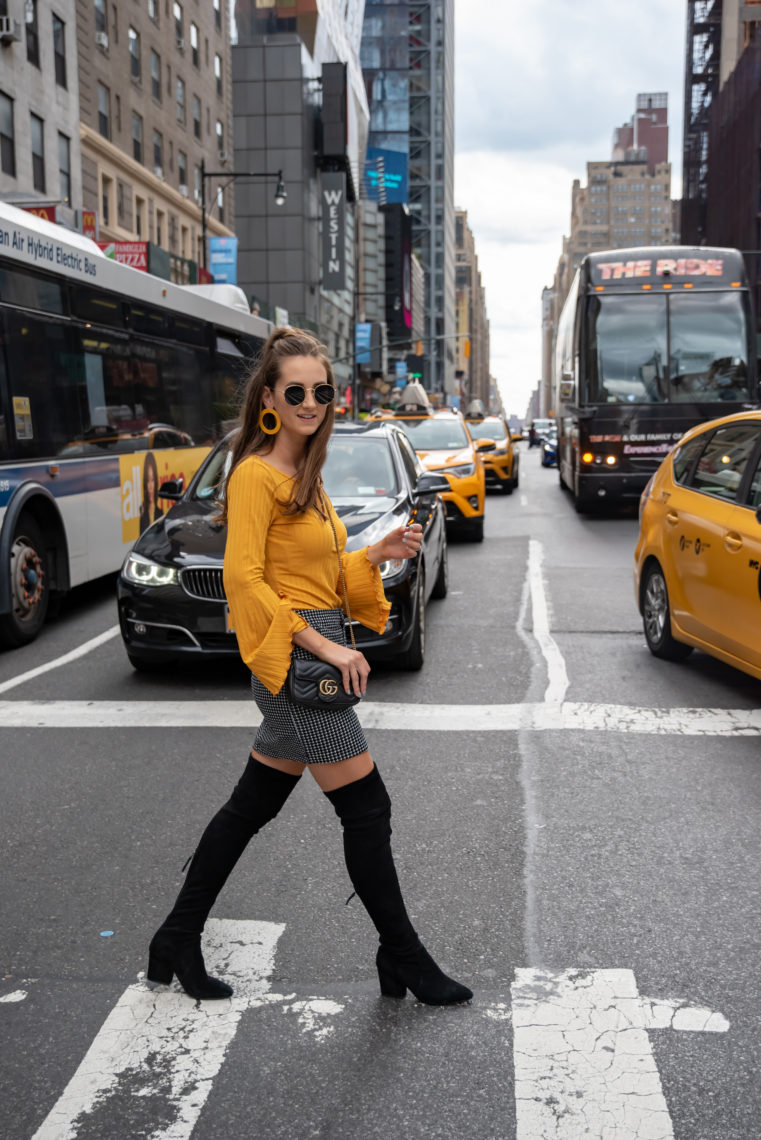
[[461, 471], [499, 451], [144, 572], [392, 567]]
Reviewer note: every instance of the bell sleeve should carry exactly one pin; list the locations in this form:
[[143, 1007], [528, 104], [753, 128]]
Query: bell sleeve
[[264, 620], [364, 587]]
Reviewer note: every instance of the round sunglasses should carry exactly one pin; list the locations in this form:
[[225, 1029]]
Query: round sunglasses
[[295, 394]]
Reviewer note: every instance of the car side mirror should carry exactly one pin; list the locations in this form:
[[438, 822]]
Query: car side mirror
[[172, 489], [485, 445], [431, 484]]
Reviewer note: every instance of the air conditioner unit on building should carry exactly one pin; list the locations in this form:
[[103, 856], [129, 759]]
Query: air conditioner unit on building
[[183, 189], [224, 157], [101, 39], [180, 44], [158, 171], [10, 30]]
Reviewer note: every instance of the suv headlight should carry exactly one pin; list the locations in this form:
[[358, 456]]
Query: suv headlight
[[461, 472], [391, 568], [144, 572]]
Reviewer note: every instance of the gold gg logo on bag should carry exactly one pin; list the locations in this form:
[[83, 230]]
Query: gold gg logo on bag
[[328, 687]]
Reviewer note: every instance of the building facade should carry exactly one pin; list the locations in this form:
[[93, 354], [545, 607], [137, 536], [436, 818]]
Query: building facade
[[408, 65], [40, 163], [155, 102], [472, 343]]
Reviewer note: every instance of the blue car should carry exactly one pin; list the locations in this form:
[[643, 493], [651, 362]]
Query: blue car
[[549, 449]]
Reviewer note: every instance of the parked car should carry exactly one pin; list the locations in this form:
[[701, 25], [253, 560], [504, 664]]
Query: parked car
[[501, 463], [444, 444], [698, 558], [171, 599], [548, 448]]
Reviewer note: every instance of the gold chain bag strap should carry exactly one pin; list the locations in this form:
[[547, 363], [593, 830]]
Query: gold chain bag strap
[[317, 684]]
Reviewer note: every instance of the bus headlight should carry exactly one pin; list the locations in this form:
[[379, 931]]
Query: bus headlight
[[611, 460], [144, 572]]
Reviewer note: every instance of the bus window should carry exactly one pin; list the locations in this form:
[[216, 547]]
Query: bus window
[[44, 375], [148, 319], [189, 331], [626, 350], [97, 306], [30, 291], [709, 351]]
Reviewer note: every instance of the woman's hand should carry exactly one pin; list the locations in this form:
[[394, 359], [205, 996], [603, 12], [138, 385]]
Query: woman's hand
[[402, 542], [353, 665]]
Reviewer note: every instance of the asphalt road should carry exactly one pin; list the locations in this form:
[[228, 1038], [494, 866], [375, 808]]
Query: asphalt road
[[591, 870]]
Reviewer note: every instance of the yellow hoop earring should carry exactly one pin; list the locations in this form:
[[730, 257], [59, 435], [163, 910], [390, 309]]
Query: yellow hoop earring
[[278, 423]]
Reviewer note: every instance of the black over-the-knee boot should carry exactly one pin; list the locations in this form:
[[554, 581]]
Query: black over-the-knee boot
[[176, 946], [364, 809]]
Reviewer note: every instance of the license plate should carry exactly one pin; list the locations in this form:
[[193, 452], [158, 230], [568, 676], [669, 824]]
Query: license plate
[[228, 623]]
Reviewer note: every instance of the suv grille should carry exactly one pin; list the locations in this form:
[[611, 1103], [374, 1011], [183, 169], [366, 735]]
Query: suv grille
[[202, 582]]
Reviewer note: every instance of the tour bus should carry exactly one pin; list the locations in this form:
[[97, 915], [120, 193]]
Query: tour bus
[[112, 381], [650, 342]]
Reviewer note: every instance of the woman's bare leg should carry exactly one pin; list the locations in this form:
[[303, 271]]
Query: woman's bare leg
[[291, 767], [336, 775]]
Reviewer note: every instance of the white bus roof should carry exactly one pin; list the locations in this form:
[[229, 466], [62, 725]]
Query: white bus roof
[[36, 243]]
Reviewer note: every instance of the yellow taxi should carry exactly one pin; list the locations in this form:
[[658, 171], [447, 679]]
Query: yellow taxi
[[500, 462], [698, 558], [444, 444]]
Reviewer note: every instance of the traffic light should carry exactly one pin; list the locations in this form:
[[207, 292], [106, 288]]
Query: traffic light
[[419, 348]]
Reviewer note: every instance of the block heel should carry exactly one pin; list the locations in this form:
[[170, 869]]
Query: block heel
[[174, 952], [390, 986], [159, 973], [416, 971]]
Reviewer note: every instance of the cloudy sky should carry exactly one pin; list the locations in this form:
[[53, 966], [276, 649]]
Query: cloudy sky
[[540, 85]]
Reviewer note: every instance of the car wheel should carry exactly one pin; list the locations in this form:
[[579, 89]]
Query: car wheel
[[30, 585], [441, 585], [476, 530], [508, 486], [413, 658], [656, 617]]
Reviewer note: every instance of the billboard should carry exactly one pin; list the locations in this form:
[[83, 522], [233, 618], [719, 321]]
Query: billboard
[[386, 175], [134, 253], [223, 260], [363, 341], [333, 198], [398, 270]]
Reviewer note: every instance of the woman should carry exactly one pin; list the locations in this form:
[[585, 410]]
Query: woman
[[150, 510], [284, 576]]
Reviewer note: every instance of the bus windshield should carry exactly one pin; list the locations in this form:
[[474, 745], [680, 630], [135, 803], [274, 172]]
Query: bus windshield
[[641, 351]]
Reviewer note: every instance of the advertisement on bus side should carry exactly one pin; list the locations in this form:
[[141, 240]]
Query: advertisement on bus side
[[141, 473]]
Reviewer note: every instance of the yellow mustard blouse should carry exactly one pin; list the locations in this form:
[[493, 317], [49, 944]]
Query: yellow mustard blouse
[[276, 564]]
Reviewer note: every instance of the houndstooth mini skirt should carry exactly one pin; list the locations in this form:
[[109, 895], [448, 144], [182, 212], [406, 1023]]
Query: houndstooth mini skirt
[[295, 732]]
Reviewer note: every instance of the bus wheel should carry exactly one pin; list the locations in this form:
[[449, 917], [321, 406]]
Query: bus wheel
[[30, 585], [656, 617]]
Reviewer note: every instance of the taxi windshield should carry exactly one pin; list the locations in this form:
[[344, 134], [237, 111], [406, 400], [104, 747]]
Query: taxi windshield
[[487, 429], [435, 435]]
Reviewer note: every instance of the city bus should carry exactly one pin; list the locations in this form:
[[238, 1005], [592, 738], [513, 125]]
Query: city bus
[[650, 342], [112, 381]]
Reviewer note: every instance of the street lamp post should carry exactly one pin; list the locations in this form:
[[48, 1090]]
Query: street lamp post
[[280, 191]]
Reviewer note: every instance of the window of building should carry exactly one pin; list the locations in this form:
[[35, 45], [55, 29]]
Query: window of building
[[59, 50], [7, 137], [179, 24], [115, 23], [139, 218], [38, 152], [137, 137], [155, 75], [218, 15], [184, 233], [218, 72], [194, 45], [106, 193], [220, 205], [101, 19], [197, 183], [180, 100], [158, 153], [121, 206], [196, 116], [182, 171], [153, 10], [134, 54], [104, 111], [32, 33], [64, 168], [220, 137], [160, 227]]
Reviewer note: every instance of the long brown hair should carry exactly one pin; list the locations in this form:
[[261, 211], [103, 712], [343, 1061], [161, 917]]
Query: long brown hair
[[251, 440]]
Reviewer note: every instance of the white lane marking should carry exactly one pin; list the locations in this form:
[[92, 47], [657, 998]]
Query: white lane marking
[[557, 677], [579, 716], [311, 1014], [166, 1046], [57, 662], [583, 1061], [15, 995], [524, 501]]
